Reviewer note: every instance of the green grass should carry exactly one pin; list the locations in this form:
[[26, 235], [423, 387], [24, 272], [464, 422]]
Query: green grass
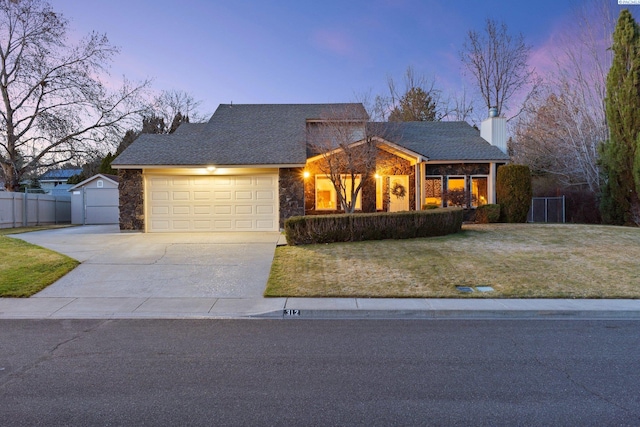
[[25, 268], [517, 260]]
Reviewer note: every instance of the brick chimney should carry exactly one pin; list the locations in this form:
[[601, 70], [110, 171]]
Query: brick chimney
[[494, 130]]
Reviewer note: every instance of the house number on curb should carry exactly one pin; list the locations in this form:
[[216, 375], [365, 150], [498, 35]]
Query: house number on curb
[[291, 312]]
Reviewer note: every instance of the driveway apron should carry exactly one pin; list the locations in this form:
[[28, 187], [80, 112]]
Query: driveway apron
[[118, 264]]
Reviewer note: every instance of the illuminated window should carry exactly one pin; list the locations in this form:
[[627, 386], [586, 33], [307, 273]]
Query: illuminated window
[[456, 191], [433, 191], [479, 193], [326, 196]]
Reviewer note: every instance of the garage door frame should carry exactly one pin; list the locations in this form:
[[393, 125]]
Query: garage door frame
[[219, 219]]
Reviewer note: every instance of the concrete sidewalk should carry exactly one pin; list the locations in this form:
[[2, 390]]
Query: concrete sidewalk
[[223, 275], [314, 308]]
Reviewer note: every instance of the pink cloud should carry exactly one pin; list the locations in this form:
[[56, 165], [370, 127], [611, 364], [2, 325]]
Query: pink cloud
[[334, 41]]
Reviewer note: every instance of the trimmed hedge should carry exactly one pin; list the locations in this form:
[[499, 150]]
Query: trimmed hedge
[[514, 192], [301, 230], [487, 214]]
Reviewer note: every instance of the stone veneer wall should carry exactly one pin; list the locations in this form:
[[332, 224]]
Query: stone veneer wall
[[131, 199], [291, 189]]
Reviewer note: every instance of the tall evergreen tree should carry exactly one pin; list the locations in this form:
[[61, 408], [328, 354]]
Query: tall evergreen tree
[[178, 119], [620, 156], [415, 106], [153, 124]]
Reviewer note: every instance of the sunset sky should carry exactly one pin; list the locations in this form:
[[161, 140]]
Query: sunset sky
[[303, 51]]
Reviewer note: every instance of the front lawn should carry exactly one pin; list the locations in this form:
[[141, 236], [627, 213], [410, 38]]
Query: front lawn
[[25, 268], [517, 260]]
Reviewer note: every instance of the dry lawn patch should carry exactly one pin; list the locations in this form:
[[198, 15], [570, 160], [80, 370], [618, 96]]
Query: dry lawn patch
[[517, 260]]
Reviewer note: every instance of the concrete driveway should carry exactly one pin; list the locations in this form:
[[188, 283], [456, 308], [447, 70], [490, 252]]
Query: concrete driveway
[[175, 265]]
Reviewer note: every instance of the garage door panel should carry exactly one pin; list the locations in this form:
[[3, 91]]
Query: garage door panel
[[222, 195], [265, 195], [265, 224], [181, 210], [244, 210], [182, 225], [212, 203], [180, 181], [160, 210], [202, 210], [243, 180], [159, 195], [265, 209], [201, 195], [243, 195], [202, 225]]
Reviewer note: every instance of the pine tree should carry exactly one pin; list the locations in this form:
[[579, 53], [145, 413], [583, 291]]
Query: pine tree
[[105, 165], [178, 119], [415, 106], [153, 124], [620, 156]]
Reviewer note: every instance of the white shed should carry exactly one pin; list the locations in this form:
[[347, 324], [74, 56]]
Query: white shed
[[95, 200]]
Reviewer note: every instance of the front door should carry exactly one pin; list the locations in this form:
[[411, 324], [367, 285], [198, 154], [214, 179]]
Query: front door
[[398, 193]]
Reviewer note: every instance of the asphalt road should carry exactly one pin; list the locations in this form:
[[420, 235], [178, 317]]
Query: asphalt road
[[334, 372]]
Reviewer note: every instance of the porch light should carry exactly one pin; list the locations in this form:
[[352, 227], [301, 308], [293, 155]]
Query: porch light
[[306, 174], [377, 176], [211, 168]]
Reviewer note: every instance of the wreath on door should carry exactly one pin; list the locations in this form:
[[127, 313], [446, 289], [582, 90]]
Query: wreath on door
[[398, 190]]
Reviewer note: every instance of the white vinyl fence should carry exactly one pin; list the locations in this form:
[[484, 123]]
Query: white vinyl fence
[[24, 210]]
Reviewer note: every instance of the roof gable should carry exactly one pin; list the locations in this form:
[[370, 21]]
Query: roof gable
[[441, 141], [236, 134], [108, 177]]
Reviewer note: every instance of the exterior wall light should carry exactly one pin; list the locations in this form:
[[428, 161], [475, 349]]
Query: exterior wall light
[[306, 174]]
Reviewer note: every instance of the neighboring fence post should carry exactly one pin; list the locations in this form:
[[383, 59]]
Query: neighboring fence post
[[84, 205], [25, 216]]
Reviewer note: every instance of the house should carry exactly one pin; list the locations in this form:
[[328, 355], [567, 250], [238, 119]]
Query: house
[[252, 166], [54, 181], [95, 200]]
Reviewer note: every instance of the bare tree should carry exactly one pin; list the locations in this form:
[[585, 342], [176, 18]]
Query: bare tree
[[171, 103], [561, 129], [55, 104], [461, 108], [416, 99], [348, 151], [498, 62]]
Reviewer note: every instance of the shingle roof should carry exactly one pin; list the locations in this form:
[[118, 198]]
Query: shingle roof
[[275, 134], [57, 174], [189, 128], [440, 140], [239, 134]]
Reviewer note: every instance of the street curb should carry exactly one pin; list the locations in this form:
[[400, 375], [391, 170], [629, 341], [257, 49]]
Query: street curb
[[453, 314]]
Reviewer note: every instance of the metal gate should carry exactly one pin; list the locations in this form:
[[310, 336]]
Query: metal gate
[[547, 209]]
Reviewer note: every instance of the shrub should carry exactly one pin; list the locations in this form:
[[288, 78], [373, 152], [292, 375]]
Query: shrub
[[430, 206], [513, 189], [487, 214], [302, 230]]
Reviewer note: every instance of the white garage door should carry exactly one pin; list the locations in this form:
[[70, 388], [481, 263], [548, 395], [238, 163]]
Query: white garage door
[[212, 203]]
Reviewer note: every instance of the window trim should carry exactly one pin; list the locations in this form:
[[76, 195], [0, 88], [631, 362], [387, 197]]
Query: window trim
[[464, 187], [334, 192], [471, 178], [441, 178]]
